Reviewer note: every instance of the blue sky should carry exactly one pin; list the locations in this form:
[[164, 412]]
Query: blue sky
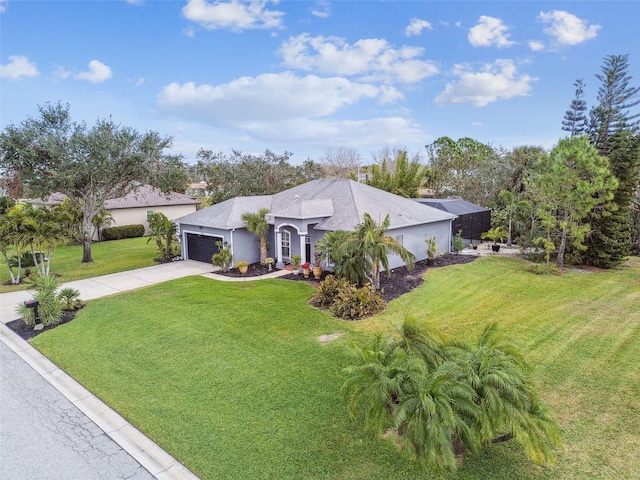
[[305, 76]]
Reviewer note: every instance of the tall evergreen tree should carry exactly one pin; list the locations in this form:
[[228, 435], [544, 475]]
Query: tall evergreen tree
[[614, 132], [615, 100], [575, 119], [611, 226]]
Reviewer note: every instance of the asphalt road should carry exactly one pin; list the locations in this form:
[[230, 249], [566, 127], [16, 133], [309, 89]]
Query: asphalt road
[[44, 436]]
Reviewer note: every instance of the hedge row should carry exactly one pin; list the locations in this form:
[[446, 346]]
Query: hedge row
[[124, 231]]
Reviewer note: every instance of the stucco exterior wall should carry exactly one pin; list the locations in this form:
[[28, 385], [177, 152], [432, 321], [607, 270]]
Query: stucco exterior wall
[[413, 239], [138, 215]]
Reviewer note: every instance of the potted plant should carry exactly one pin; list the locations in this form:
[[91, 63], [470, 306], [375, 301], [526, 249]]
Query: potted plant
[[497, 234], [243, 266], [317, 266], [306, 269], [295, 263], [269, 261], [432, 250], [474, 245]]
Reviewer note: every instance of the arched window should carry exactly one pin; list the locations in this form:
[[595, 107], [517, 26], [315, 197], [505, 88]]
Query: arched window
[[286, 243]]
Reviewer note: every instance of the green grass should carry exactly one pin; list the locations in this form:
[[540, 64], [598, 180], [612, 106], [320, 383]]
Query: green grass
[[230, 378], [108, 257]]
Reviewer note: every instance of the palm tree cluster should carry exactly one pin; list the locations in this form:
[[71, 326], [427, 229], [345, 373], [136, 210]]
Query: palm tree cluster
[[359, 255], [446, 398], [26, 230]]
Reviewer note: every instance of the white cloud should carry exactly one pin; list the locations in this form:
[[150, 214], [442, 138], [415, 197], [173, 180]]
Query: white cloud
[[136, 2], [3, 4], [489, 32], [61, 73], [98, 72], [269, 97], [236, 15], [566, 28], [18, 66], [322, 9], [415, 27], [496, 81], [536, 45], [373, 59], [288, 108]]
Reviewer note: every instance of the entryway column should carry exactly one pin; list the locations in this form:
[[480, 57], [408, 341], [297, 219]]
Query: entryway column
[[303, 246], [279, 263]]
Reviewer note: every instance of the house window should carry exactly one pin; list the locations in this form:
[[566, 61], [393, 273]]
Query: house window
[[286, 244], [399, 239], [149, 213]]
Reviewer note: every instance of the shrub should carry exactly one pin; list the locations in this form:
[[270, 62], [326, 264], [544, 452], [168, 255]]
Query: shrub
[[347, 301], [123, 231], [328, 291], [224, 257], [70, 298], [50, 305], [458, 243], [354, 302]]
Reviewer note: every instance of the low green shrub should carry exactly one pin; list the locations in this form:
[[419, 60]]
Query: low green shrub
[[328, 291], [224, 257], [345, 300], [70, 298], [50, 305], [123, 231], [354, 302]]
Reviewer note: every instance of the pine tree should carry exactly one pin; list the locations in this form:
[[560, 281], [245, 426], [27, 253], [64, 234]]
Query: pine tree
[[613, 130], [615, 98], [575, 119]]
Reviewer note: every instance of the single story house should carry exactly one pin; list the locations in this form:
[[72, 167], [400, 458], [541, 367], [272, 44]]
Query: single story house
[[135, 207], [300, 216], [472, 219]]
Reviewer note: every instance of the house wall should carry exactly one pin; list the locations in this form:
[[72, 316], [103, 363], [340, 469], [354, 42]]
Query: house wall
[[246, 245], [138, 215], [413, 239]]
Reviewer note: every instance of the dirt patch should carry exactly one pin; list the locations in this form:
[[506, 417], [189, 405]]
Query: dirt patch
[[329, 338]]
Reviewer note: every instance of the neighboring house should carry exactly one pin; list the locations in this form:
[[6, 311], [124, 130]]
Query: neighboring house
[[472, 219], [199, 189], [301, 215], [135, 207]]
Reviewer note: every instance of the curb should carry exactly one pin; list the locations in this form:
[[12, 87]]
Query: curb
[[152, 457]]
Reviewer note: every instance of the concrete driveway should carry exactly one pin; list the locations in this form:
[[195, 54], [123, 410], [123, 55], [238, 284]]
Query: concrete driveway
[[113, 283]]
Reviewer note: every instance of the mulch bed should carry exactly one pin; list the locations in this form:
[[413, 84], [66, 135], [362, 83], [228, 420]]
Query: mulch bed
[[26, 332], [400, 282]]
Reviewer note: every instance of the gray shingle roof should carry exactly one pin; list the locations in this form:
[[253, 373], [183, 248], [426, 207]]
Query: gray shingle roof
[[340, 204], [144, 196]]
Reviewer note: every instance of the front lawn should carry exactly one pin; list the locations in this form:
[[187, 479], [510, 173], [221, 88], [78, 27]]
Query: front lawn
[[230, 377], [108, 257]]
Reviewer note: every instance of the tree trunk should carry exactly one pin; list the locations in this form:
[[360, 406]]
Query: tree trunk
[[509, 239], [563, 242], [263, 249], [375, 277], [88, 213]]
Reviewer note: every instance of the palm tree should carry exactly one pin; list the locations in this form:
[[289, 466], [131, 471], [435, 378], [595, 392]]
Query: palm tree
[[12, 234], [257, 224], [373, 385], [509, 406], [163, 231], [349, 264], [370, 240], [434, 412], [512, 206], [43, 233]]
